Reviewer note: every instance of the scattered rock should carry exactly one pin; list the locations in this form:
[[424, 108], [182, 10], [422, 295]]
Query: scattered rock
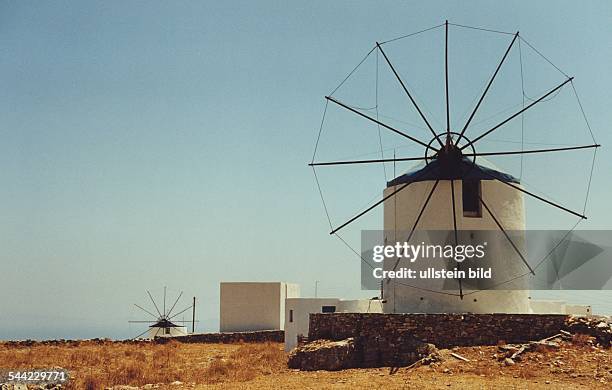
[[406, 351], [323, 355], [599, 327]]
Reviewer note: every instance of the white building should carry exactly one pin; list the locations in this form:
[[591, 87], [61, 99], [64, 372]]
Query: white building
[[250, 306], [298, 310]]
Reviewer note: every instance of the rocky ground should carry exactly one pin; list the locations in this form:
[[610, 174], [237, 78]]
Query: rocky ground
[[577, 362]]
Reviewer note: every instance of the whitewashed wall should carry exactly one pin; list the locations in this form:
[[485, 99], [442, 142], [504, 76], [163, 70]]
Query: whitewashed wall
[[249, 306], [508, 207]]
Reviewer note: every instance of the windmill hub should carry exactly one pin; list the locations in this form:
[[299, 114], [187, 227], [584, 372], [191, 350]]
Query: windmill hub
[[449, 155]]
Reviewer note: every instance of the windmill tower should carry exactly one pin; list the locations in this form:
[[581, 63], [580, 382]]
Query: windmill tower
[[460, 196]]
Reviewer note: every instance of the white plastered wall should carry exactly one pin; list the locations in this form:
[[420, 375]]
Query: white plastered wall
[[400, 213], [251, 306]]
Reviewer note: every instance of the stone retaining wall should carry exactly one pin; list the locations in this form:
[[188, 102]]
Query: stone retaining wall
[[443, 330], [260, 336], [346, 340], [277, 336]]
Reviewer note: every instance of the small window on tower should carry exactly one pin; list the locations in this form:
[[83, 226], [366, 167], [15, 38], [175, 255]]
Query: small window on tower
[[291, 315], [471, 198], [167, 330]]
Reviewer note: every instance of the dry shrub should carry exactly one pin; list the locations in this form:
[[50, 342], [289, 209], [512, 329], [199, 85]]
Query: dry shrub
[[97, 366], [581, 339], [85, 357], [246, 363], [136, 355], [90, 382], [129, 373]]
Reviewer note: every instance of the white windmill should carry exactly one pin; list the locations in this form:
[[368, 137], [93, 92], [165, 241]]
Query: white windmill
[[456, 190]]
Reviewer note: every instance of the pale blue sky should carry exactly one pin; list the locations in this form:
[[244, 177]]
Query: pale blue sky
[[145, 144]]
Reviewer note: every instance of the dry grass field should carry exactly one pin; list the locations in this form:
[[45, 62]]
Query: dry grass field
[[577, 365]]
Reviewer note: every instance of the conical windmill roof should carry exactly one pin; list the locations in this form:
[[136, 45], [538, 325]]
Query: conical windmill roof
[[164, 323], [465, 170]]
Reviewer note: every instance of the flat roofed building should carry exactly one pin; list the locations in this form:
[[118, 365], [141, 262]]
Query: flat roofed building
[[250, 306]]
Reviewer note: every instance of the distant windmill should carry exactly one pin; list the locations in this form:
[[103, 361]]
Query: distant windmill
[[164, 323]]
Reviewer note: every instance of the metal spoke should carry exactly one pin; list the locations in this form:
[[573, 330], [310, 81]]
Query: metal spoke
[[409, 95], [506, 234], [533, 151], [516, 114], [175, 302], [146, 311], [452, 182], [536, 196], [418, 219], [487, 87], [380, 123], [369, 209], [382, 160], [446, 74], [134, 338], [181, 312], [154, 304], [379, 202]]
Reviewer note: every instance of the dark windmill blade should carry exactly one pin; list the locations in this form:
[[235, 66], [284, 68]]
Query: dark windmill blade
[[506, 235], [136, 337], [154, 304], [452, 182], [145, 310], [175, 302], [350, 162], [416, 222], [181, 312], [379, 123], [500, 124], [532, 151], [392, 194], [409, 95], [446, 78], [164, 301], [486, 89], [536, 196]]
